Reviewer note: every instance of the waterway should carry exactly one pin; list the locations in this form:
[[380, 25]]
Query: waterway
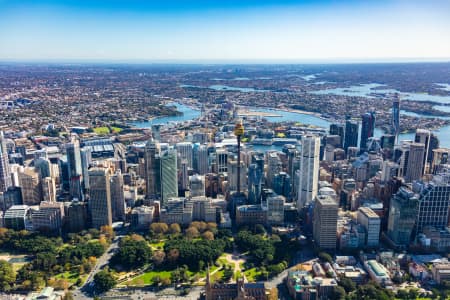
[[190, 113], [371, 90]]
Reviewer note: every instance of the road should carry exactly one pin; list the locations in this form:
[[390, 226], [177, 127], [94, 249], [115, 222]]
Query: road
[[86, 290]]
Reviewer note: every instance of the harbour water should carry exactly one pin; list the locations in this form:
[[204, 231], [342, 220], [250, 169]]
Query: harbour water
[[190, 113], [371, 89]]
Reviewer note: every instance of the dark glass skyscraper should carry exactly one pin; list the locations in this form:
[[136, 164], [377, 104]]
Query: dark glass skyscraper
[[351, 134], [396, 116], [337, 129], [367, 129]]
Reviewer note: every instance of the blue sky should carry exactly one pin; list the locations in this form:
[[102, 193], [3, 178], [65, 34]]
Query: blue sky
[[224, 30]]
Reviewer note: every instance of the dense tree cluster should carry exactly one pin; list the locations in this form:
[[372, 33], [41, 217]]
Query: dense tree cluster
[[51, 257], [104, 281], [260, 249], [195, 253], [26, 242], [7, 276], [133, 252]]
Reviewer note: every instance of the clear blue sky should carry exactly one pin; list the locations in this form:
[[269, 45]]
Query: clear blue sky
[[224, 30]]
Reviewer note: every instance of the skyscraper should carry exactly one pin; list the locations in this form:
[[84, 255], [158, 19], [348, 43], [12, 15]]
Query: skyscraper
[[5, 172], [169, 178], [351, 134], [273, 167], [200, 159], [30, 185], [86, 160], [74, 166], [117, 197], [367, 129], [309, 170], [402, 216], [152, 169], [423, 136], [184, 150], [434, 203], [415, 162], [396, 116], [100, 197], [338, 129], [325, 222]]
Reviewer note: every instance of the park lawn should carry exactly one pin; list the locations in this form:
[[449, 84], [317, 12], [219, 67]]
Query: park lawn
[[252, 274], [147, 277], [116, 129], [158, 246], [101, 130], [72, 277]]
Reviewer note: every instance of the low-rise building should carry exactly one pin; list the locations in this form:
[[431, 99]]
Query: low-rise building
[[251, 214], [441, 271], [142, 216], [378, 272]]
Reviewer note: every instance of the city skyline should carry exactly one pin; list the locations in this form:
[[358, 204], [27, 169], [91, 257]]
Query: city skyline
[[235, 31]]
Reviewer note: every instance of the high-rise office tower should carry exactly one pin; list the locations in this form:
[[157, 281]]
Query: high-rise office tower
[[282, 184], [30, 185], [396, 116], [169, 178], [152, 169], [351, 134], [338, 129], [371, 223], [402, 216], [5, 172], [434, 203], [434, 144], [233, 175], [197, 185], [48, 189], [86, 160], [74, 168], [117, 197], [309, 170], [440, 159], [423, 136], [367, 129], [200, 159], [274, 166], [222, 160], [184, 151], [184, 176], [325, 222], [415, 162], [100, 197], [255, 178], [43, 167]]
